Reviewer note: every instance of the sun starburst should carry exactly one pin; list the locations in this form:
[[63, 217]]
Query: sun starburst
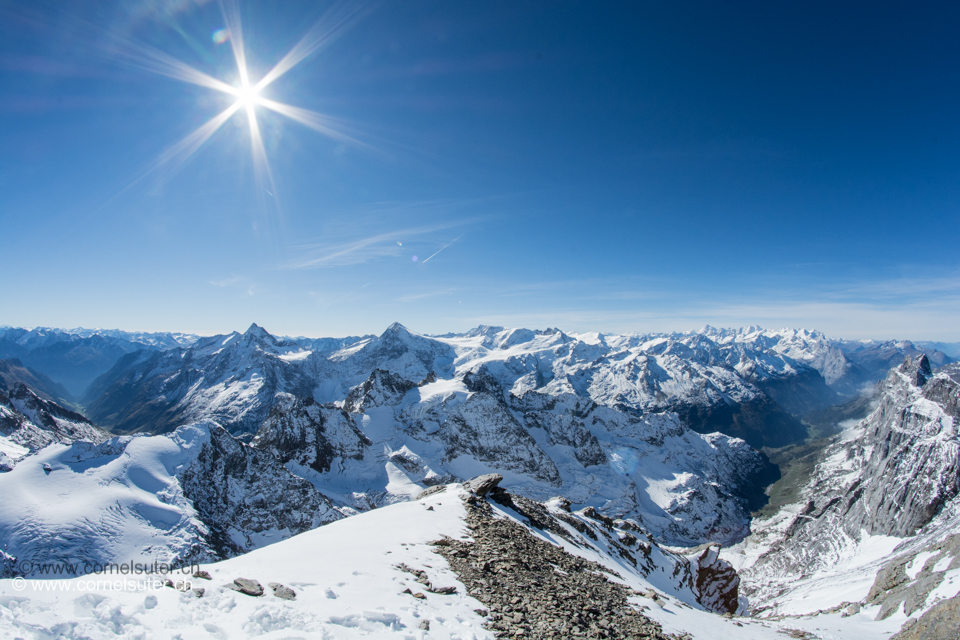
[[247, 94]]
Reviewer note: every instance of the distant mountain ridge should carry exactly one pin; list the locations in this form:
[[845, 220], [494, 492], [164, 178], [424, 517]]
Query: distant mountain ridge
[[74, 357], [13, 372], [750, 382]]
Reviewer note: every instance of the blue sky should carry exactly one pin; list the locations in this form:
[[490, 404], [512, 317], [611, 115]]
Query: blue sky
[[652, 167]]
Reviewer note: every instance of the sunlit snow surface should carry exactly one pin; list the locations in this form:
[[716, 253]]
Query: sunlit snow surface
[[348, 586]]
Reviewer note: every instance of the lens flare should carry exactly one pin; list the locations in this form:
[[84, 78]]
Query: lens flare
[[220, 36], [414, 258]]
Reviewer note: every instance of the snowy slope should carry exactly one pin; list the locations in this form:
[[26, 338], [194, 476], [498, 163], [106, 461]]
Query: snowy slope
[[195, 494]]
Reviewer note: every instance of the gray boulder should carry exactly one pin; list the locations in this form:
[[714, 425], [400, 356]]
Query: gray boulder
[[248, 587], [481, 485]]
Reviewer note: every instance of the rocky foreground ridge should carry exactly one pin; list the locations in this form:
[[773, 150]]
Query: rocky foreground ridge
[[537, 589]]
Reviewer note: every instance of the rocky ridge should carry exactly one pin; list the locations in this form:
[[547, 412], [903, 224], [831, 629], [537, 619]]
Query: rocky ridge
[[557, 589]]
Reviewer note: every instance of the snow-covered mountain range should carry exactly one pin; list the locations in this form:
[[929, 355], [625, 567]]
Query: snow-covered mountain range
[[240, 441]]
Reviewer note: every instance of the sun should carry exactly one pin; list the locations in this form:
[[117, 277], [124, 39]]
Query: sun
[[247, 96]]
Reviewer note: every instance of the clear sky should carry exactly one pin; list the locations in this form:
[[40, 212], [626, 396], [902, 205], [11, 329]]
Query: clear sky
[[591, 166]]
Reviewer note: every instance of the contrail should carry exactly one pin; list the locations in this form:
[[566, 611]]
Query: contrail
[[443, 247]]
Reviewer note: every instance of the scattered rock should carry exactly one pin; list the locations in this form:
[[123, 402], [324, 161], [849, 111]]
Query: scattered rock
[[445, 591], [442, 542], [283, 592], [419, 596], [205, 575], [199, 591], [425, 625], [429, 491], [248, 587]]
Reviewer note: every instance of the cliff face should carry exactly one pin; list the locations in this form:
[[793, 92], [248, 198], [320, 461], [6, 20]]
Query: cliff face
[[891, 479]]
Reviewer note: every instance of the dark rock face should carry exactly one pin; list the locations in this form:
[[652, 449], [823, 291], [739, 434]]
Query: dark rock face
[[896, 472], [241, 493], [913, 467], [311, 435], [717, 582], [382, 387], [570, 431], [484, 428]]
